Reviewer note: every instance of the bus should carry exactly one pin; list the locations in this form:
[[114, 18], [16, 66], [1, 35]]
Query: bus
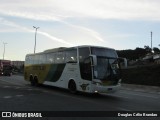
[[90, 69], [5, 68]]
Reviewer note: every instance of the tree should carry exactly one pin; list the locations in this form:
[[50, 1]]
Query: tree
[[156, 50], [140, 52], [147, 48], [132, 54]]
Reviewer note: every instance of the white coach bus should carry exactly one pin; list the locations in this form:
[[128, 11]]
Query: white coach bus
[[91, 69]]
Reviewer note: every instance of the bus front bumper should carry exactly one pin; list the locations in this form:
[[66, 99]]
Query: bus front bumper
[[106, 89]]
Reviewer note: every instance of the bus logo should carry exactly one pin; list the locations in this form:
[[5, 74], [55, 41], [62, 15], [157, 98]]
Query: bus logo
[[6, 114]]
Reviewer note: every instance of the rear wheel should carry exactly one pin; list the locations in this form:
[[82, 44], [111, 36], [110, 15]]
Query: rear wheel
[[32, 81], [72, 86], [36, 81]]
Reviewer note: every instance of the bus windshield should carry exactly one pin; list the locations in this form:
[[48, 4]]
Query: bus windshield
[[107, 64]]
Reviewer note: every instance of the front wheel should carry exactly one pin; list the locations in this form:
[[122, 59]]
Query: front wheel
[[72, 87]]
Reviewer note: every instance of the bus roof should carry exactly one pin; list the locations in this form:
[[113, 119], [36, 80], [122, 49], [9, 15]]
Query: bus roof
[[67, 48], [55, 49], [93, 46]]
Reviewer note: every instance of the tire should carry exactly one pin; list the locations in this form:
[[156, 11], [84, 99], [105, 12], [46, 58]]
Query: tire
[[72, 87], [32, 81], [36, 82]]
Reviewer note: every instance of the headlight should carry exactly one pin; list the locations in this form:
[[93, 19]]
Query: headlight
[[95, 91], [97, 83]]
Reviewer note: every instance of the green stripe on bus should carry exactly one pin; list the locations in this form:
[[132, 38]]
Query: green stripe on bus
[[55, 72]]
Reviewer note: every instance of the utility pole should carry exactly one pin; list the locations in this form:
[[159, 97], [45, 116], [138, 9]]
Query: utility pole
[[151, 40], [4, 49], [35, 38]]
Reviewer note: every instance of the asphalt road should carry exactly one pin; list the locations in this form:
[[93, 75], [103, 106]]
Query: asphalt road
[[17, 95]]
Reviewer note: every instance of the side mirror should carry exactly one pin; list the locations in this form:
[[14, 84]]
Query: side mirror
[[94, 58], [124, 60], [95, 74]]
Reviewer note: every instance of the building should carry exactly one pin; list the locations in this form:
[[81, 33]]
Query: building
[[18, 64]]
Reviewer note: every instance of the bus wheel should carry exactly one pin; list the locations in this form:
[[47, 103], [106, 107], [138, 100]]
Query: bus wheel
[[36, 81], [32, 81], [72, 86]]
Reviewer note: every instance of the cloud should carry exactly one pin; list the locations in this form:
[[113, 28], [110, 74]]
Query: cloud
[[63, 9], [12, 24], [66, 10], [90, 32], [55, 38], [93, 33], [112, 9]]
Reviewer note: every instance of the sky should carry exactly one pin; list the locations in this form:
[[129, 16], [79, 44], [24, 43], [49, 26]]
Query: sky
[[118, 24]]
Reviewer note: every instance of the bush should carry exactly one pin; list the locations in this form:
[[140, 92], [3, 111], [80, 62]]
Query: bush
[[146, 75]]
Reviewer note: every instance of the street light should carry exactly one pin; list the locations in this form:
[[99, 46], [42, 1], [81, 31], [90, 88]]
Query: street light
[[35, 38], [4, 49], [151, 41]]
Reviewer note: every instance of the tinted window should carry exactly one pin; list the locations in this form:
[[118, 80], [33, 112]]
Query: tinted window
[[85, 63], [60, 57], [31, 59], [42, 59], [104, 52], [50, 57], [71, 55], [27, 60], [83, 53]]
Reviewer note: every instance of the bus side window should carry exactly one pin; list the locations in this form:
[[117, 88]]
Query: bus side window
[[42, 59], [33, 59], [30, 59], [36, 59], [85, 63], [60, 57], [50, 58], [83, 54], [27, 60], [71, 56]]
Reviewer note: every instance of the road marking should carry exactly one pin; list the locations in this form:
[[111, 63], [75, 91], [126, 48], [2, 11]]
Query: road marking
[[6, 86], [11, 82], [123, 109], [120, 96], [29, 89], [7, 97], [45, 91], [19, 95], [17, 87], [115, 95], [139, 95]]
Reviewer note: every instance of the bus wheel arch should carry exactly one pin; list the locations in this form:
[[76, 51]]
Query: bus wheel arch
[[72, 86]]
